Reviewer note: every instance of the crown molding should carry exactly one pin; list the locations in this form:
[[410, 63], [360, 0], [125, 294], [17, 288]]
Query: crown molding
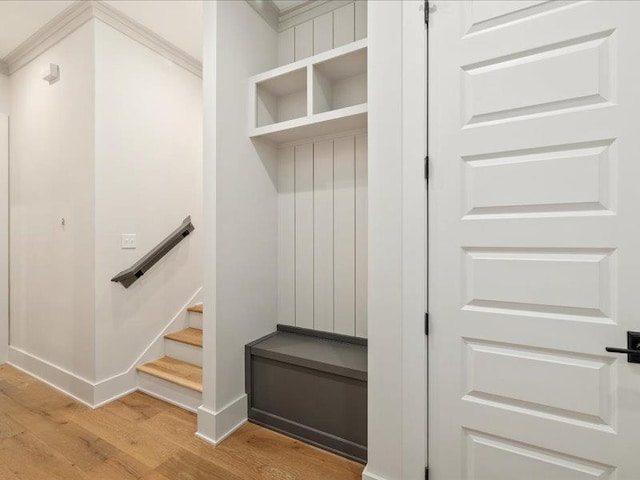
[[80, 12], [63, 24], [297, 15], [267, 10], [307, 11], [4, 68], [136, 31]]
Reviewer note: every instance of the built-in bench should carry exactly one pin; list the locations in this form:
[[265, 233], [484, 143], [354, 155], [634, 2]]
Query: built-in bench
[[312, 386]]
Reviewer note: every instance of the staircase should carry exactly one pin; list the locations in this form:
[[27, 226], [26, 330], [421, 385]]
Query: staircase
[[177, 377]]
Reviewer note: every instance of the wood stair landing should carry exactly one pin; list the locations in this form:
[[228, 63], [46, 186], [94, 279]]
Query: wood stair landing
[[175, 371], [190, 336]]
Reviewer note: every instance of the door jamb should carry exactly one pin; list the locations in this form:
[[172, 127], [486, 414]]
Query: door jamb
[[397, 239]]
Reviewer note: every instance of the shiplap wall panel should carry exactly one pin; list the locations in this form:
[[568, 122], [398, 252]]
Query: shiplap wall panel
[[286, 48], [303, 40], [344, 235], [286, 236], [322, 252], [323, 235], [361, 154], [343, 25], [324, 32], [304, 235], [361, 19]]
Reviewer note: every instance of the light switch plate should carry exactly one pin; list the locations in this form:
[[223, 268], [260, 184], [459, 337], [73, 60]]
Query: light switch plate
[[128, 240]]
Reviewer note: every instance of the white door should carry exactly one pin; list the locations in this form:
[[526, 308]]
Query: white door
[[535, 240]]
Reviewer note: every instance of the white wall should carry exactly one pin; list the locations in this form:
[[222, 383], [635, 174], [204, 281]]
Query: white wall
[[241, 301], [52, 171], [397, 228], [4, 237], [4, 217], [4, 94], [148, 178], [115, 146]]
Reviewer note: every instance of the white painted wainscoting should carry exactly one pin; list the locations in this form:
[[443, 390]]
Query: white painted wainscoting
[[322, 29], [322, 235]]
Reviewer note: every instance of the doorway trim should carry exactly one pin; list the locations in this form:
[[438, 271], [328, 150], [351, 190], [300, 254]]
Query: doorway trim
[[397, 240]]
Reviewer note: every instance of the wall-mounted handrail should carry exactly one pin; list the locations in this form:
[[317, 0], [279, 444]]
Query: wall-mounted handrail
[[130, 275]]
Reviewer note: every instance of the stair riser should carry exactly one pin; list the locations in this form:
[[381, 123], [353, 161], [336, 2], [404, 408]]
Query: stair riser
[[195, 320], [182, 351], [169, 392]]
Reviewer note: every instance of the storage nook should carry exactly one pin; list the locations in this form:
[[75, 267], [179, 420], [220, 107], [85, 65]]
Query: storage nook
[[291, 226]]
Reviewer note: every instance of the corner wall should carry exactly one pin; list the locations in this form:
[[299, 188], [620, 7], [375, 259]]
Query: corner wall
[[241, 221], [115, 146], [52, 177], [4, 94], [148, 178]]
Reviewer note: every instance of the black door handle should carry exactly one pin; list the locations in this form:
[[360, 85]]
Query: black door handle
[[633, 348], [622, 350]]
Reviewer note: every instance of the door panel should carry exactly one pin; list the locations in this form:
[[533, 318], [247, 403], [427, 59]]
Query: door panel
[[534, 231]]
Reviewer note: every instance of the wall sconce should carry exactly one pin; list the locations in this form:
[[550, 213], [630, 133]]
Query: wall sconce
[[52, 75]]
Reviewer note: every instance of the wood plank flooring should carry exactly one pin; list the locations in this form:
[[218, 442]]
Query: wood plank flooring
[[46, 435]]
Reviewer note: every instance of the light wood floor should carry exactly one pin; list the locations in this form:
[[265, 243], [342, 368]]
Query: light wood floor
[[46, 435]]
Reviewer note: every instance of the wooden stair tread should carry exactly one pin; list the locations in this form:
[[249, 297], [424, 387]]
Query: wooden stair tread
[[195, 308], [175, 371], [190, 336]]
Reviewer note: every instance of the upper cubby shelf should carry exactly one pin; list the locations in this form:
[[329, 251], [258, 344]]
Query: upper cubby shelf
[[320, 95]]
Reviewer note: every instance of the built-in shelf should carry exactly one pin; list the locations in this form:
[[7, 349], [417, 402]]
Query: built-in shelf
[[320, 95]]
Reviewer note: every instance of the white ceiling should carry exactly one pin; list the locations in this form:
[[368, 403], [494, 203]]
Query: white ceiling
[[177, 21]]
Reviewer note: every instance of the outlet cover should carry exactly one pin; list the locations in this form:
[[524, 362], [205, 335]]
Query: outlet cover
[[128, 240]]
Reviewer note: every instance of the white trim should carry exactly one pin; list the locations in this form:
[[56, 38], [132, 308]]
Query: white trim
[[281, 21], [62, 25], [308, 11], [366, 475], [397, 214], [414, 238], [215, 427], [267, 10], [138, 32], [170, 392], [63, 380], [77, 15], [321, 138], [166, 399]]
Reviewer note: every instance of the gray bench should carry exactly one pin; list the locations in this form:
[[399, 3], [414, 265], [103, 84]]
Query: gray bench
[[311, 386]]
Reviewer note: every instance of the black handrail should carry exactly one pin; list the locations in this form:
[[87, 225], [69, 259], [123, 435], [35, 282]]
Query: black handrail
[[130, 275]]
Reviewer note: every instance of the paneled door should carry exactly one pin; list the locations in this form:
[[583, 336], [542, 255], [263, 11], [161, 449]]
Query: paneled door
[[534, 240]]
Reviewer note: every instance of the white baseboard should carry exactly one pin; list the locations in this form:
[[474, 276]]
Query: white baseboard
[[96, 394], [366, 475], [69, 383], [110, 389], [215, 427]]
